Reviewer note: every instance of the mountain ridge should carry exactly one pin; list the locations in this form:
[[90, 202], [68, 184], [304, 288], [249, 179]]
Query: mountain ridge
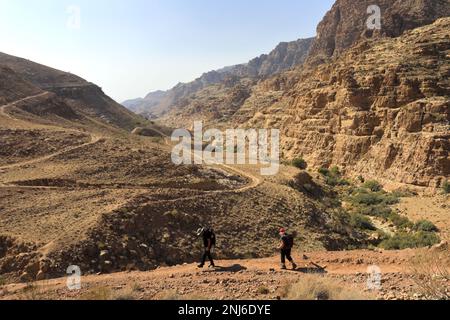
[[286, 55]]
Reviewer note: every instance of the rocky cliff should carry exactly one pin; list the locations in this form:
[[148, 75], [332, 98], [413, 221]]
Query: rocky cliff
[[345, 24], [381, 110]]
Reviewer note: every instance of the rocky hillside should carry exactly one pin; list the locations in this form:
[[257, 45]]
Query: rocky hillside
[[345, 24], [13, 87], [380, 110], [78, 93], [373, 103], [285, 56]]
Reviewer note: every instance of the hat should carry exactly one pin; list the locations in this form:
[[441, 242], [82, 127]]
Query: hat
[[282, 230]]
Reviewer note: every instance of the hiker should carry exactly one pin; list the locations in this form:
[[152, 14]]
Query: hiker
[[209, 242], [286, 245]]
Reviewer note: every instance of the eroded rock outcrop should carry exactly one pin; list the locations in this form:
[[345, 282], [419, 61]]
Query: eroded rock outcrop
[[345, 24], [382, 109]]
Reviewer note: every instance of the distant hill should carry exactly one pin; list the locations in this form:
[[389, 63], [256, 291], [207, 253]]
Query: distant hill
[[284, 57], [84, 95]]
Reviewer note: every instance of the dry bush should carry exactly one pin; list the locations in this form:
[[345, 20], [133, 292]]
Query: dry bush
[[32, 292], [314, 287], [97, 294], [431, 271], [173, 295]]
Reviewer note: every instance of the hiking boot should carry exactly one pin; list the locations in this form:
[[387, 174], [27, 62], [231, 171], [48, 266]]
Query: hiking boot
[[283, 267], [200, 266], [294, 266], [211, 266]]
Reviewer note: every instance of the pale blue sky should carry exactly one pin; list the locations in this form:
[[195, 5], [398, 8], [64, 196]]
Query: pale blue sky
[[131, 47]]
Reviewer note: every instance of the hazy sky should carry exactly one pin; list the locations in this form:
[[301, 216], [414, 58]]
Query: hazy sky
[[131, 47]]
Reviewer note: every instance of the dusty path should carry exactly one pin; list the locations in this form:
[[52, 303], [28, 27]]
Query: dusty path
[[254, 181], [12, 104], [239, 279], [4, 113], [94, 140]]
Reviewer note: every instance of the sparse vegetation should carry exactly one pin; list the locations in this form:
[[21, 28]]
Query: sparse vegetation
[[432, 274], [263, 290], [300, 163], [371, 200], [318, 288], [426, 226], [97, 294], [446, 187], [362, 196], [173, 295], [333, 177], [32, 292], [373, 185], [404, 240], [361, 222]]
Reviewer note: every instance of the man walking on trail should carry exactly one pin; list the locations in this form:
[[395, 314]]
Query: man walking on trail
[[286, 245], [209, 242]]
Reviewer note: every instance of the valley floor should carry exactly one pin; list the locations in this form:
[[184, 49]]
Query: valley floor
[[258, 279]]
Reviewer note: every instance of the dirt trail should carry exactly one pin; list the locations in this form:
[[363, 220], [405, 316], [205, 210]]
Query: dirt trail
[[240, 279], [12, 104], [3, 112], [254, 181], [94, 140]]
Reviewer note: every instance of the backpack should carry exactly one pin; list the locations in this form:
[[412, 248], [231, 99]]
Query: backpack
[[289, 241], [209, 234]]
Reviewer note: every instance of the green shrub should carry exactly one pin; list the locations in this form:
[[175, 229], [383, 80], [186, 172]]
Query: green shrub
[[364, 197], [375, 211], [333, 177], [399, 221], [361, 222], [389, 198], [332, 181], [373, 185], [446, 187], [300, 163], [426, 226], [368, 199], [404, 240], [335, 171]]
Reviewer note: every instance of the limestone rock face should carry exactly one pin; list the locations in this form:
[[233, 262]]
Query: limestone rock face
[[382, 109], [345, 24]]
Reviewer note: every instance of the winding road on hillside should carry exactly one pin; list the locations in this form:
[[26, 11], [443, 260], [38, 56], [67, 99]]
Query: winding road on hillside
[[12, 104], [254, 181]]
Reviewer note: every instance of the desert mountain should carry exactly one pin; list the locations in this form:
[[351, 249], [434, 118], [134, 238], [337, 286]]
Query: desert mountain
[[77, 92], [76, 187], [377, 105], [345, 24], [285, 56], [381, 109]]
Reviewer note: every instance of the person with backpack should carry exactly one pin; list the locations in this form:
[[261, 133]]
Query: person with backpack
[[209, 242], [286, 245]]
